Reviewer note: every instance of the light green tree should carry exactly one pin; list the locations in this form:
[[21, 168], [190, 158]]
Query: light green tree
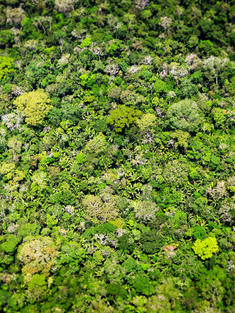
[[38, 256], [96, 145], [185, 115], [146, 122], [181, 137], [122, 117], [205, 248], [98, 209], [144, 209], [6, 66], [35, 105], [175, 173]]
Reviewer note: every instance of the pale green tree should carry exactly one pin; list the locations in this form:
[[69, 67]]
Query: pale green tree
[[35, 105]]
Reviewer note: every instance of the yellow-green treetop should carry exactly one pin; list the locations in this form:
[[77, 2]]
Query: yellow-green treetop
[[35, 105], [6, 66], [205, 248]]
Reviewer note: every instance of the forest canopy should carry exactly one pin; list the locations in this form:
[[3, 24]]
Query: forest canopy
[[117, 156]]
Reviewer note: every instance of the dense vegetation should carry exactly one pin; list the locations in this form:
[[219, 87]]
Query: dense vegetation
[[116, 156]]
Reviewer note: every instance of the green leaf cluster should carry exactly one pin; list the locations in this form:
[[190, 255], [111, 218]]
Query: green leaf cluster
[[35, 105], [122, 117], [205, 248]]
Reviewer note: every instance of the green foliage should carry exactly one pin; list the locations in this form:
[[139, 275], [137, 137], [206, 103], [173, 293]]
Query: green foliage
[[7, 168], [161, 86], [182, 139], [116, 156], [146, 122], [96, 145], [116, 290], [179, 219], [142, 285], [207, 47], [112, 49], [37, 281], [39, 180], [199, 232], [6, 38], [123, 117], [125, 243], [10, 244], [98, 209], [63, 196], [176, 173], [80, 158], [38, 256], [219, 116], [87, 80], [168, 297], [71, 255], [35, 105], [152, 241], [184, 115], [144, 209], [29, 30], [205, 248], [6, 66], [28, 230], [4, 296], [86, 42]]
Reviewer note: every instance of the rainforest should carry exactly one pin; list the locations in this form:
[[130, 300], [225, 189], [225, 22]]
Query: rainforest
[[117, 156]]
